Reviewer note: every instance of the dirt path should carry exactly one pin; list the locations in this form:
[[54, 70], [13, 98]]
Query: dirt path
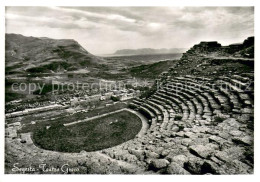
[[95, 117], [143, 130]]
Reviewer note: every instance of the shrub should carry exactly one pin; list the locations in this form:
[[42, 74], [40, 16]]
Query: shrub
[[115, 99], [249, 154], [218, 120], [147, 92], [177, 117], [181, 127], [250, 123]]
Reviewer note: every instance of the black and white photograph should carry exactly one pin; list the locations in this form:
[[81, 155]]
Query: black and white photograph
[[140, 90]]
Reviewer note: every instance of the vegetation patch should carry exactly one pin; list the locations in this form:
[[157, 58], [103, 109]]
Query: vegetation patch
[[97, 134], [148, 92], [49, 88], [177, 118], [249, 155], [10, 96], [52, 66], [151, 70], [218, 120]]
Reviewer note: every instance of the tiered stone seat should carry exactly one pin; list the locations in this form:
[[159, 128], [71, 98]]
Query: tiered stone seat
[[162, 111], [162, 105], [199, 98], [191, 95], [175, 106], [153, 109], [180, 102], [240, 94], [215, 99], [172, 145], [166, 105], [137, 102], [147, 112], [190, 106], [158, 108], [244, 86], [223, 100], [201, 92], [202, 143]]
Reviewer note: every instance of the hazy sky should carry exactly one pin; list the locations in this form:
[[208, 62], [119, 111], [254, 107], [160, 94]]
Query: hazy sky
[[104, 30]]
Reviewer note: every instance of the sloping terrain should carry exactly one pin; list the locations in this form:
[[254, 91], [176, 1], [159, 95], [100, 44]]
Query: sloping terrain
[[44, 60], [151, 71], [200, 121], [45, 55], [210, 58]]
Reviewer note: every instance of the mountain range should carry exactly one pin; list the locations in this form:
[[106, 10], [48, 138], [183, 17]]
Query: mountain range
[[149, 51]]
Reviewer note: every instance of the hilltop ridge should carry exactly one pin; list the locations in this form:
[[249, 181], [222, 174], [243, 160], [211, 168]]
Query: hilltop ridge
[[211, 58], [33, 54], [214, 49]]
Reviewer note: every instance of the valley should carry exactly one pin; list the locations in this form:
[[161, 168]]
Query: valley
[[191, 113]]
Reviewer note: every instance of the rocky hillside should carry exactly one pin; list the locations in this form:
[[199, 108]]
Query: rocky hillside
[[211, 58], [214, 49], [31, 54]]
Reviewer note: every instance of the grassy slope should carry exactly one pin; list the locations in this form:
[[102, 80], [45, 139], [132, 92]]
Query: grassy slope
[[151, 70]]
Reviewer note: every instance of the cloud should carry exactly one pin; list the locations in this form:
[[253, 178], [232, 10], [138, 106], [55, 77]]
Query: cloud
[[106, 29], [44, 21]]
